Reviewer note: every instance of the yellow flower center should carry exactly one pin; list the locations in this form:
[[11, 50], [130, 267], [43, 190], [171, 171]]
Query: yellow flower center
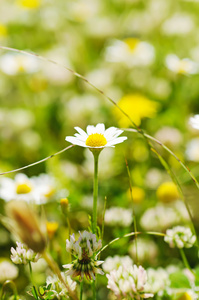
[[131, 43], [183, 67], [23, 188], [50, 192], [96, 140]]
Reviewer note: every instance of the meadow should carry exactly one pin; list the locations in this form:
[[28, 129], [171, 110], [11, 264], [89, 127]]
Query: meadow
[[99, 149]]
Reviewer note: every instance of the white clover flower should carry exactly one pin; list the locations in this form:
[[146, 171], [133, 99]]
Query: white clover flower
[[194, 121], [84, 250], [163, 216], [180, 237], [129, 282], [23, 255], [115, 262], [96, 137], [118, 216], [181, 66], [158, 280], [8, 271], [147, 250], [58, 288]]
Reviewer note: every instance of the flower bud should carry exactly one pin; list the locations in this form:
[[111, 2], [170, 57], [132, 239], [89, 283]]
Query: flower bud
[[24, 223]]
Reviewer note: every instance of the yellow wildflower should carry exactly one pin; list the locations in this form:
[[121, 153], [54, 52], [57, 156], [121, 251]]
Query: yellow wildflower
[[167, 192], [51, 228], [138, 194], [29, 4], [137, 107], [3, 30]]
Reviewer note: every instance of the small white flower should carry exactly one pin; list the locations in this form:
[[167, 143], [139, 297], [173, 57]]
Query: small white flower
[[158, 280], [23, 255], [194, 122], [146, 248], [8, 271], [181, 66], [58, 287], [129, 282], [180, 237], [192, 150], [96, 137], [84, 250], [115, 262], [118, 216]]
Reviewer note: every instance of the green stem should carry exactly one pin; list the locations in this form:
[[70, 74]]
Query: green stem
[[81, 290], [94, 290], [95, 190], [31, 278], [185, 261], [54, 267]]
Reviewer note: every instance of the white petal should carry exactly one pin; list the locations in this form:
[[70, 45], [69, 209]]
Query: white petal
[[75, 141], [110, 132], [100, 128], [90, 129], [116, 141], [80, 137], [81, 132]]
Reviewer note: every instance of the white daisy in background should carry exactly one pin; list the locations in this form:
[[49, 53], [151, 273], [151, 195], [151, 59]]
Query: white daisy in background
[[96, 137], [13, 64], [130, 51], [37, 189], [181, 66], [178, 24], [194, 122]]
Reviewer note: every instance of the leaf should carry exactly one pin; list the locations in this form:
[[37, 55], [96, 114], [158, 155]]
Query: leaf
[[179, 280]]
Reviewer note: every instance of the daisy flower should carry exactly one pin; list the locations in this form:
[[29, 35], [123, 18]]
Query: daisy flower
[[96, 137]]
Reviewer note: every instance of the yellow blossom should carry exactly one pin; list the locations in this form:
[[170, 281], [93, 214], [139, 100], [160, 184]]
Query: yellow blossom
[[29, 4], [167, 192], [185, 296], [137, 107], [138, 194], [3, 30], [51, 228]]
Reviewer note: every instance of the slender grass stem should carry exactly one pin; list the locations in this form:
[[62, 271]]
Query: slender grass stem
[[185, 261], [134, 218]]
